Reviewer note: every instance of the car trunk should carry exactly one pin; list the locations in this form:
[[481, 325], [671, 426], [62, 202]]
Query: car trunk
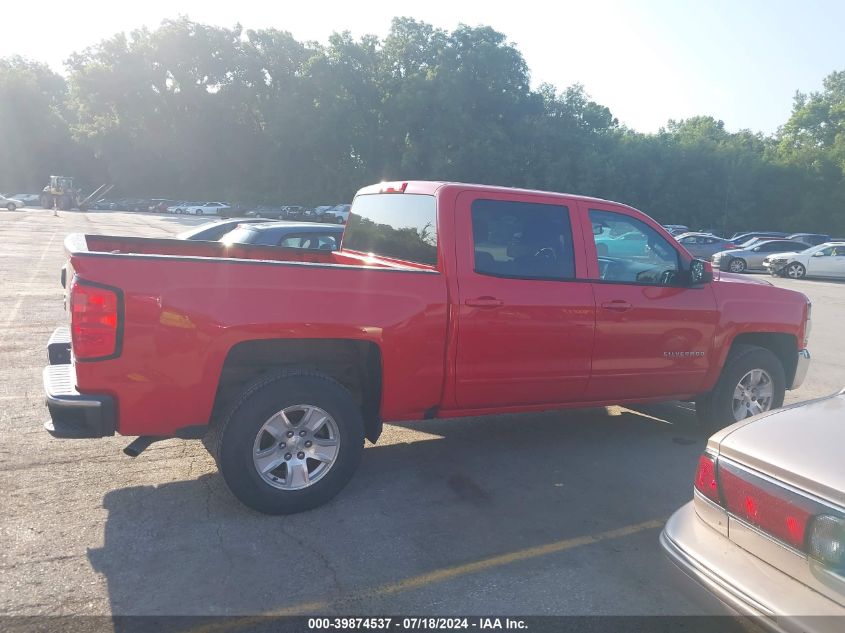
[[800, 446]]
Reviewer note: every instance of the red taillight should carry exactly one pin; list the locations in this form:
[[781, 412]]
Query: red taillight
[[785, 514], [766, 505], [705, 478], [93, 321]]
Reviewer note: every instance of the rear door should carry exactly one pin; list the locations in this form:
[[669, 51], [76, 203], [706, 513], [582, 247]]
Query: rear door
[[654, 337], [525, 320]]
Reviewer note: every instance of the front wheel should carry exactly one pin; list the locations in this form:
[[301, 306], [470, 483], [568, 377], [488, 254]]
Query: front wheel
[[752, 382], [11, 206], [795, 270], [291, 442]]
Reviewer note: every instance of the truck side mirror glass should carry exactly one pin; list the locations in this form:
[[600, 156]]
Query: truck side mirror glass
[[700, 272]]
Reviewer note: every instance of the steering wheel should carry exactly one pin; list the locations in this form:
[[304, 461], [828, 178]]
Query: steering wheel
[[546, 253]]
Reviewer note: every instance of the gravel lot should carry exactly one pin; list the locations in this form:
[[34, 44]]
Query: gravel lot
[[553, 513]]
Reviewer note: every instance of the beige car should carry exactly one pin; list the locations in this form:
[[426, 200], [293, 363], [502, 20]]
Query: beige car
[[765, 532]]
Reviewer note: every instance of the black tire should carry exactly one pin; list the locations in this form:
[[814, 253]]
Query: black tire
[[795, 270], [715, 410], [231, 441], [737, 265]]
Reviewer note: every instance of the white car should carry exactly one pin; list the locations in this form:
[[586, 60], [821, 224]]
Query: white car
[[206, 208], [824, 260], [338, 214], [11, 203], [764, 534]]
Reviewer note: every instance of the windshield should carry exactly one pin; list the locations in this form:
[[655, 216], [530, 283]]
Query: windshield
[[401, 226]]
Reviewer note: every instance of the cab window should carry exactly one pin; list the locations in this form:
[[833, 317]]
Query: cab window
[[523, 240], [647, 260]]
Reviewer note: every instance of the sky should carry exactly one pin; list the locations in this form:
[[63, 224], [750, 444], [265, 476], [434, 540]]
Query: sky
[[649, 61]]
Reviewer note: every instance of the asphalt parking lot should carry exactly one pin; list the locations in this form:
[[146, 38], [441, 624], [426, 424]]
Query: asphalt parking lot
[[553, 513]]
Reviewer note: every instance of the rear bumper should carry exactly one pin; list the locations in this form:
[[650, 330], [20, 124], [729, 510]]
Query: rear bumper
[[73, 414], [801, 368], [724, 578]]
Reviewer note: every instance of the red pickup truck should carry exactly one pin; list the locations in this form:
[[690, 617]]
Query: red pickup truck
[[444, 300]]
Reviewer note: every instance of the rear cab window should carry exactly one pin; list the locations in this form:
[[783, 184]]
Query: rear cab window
[[399, 226], [522, 240]]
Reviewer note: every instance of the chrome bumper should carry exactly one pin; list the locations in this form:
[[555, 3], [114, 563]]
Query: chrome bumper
[[723, 578], [801, 368]]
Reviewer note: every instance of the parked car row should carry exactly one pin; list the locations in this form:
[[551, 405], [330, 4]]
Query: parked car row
[[334, 214]]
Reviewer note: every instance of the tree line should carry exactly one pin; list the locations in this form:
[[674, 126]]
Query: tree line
[[193, 111]]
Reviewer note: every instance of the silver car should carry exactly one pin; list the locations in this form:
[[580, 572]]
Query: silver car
[[764, 534], [11, 203], [702, 245], [751, 257]]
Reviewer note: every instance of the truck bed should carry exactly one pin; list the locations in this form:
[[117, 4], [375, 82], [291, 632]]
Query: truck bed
[[187, 305], [79, 244]]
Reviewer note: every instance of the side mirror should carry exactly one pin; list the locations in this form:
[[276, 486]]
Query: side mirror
[[756, 250], [599, 228], [700, 272], [819, 254]]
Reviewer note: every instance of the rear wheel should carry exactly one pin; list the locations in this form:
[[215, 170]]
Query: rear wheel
[[11, 206], [737, 265], [290, 443], [752, 382], [795, 270]]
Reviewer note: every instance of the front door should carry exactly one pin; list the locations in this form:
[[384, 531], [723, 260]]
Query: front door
[[525, 323], [654, 337]]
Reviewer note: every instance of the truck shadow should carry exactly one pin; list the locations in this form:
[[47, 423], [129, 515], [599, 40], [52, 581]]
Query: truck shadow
[[445, 494]]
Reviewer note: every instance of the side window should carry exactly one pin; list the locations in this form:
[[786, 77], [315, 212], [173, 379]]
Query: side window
[[291, 241], [651, 260], [522, 240], [312, 241], [772, 247]]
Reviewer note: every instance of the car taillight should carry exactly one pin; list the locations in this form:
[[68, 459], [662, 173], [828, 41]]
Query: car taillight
[[705, 478], [94, 321], [793, 518], [766, 505]]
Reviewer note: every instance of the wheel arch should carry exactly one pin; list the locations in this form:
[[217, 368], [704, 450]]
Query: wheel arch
[[355, 364], [783, 345]]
